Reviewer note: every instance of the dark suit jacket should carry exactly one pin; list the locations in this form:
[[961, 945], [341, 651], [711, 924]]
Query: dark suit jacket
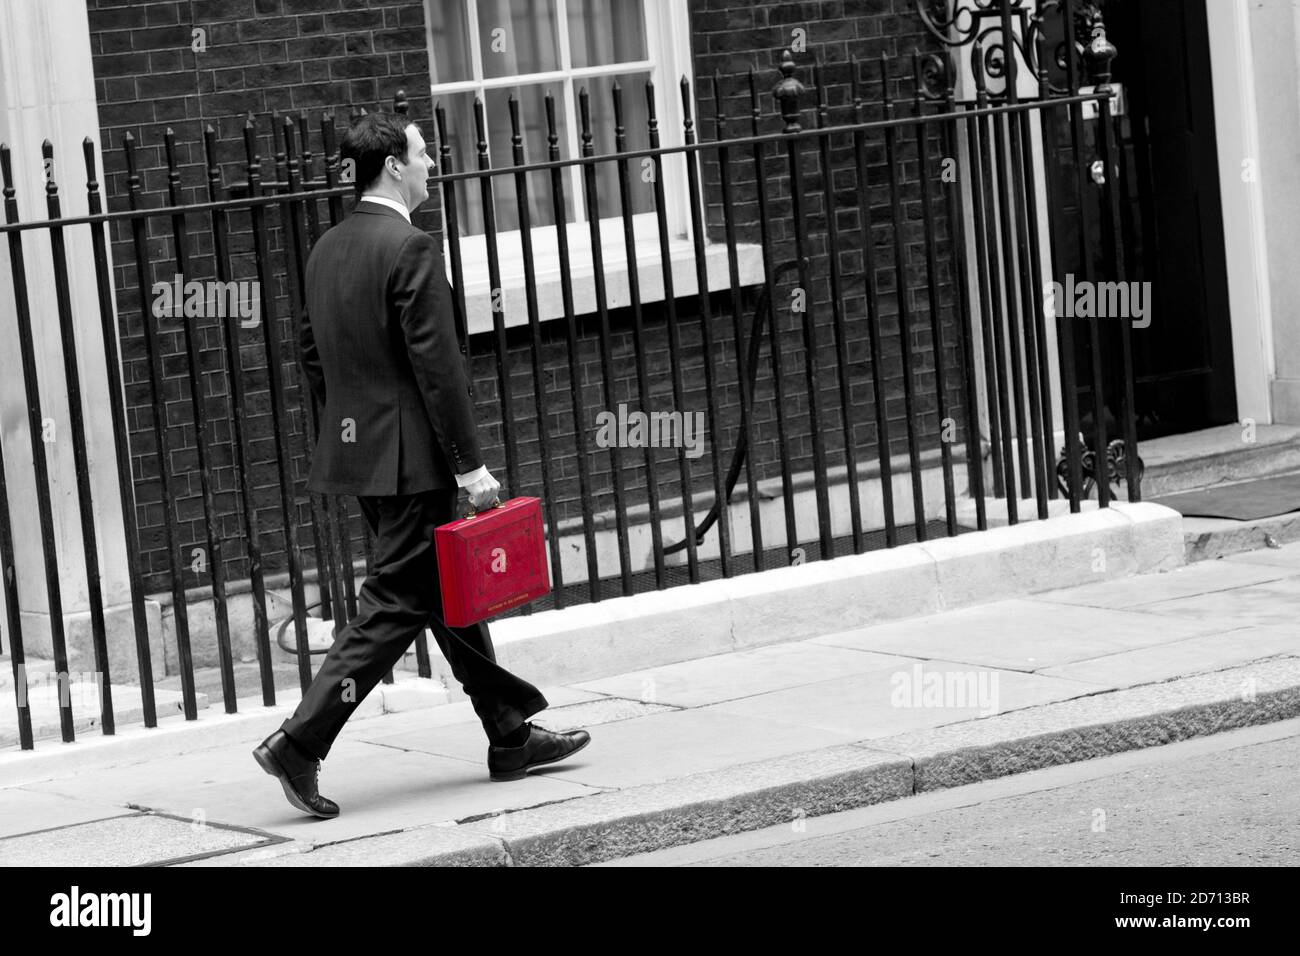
[[380, 353]]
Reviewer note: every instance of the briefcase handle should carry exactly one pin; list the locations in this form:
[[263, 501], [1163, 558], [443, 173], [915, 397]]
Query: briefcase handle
[[471, 512]]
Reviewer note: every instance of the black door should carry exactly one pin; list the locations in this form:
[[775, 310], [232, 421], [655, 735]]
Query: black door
[[1172, 221]]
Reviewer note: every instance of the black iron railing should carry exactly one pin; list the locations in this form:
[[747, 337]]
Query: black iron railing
[[922, 317]]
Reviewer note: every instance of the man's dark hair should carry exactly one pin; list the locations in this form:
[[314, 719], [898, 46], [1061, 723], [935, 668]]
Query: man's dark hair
[[368, 144]]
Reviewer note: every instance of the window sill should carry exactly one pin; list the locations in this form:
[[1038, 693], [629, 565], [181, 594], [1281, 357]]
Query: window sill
[[546, 272]]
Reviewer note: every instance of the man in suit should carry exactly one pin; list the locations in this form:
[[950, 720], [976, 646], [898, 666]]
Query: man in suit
[[397, 429]]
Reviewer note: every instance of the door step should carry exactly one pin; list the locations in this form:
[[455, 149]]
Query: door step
[[1217, 456]]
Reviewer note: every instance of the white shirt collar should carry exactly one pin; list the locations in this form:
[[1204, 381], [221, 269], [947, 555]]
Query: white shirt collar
[[390, 203]]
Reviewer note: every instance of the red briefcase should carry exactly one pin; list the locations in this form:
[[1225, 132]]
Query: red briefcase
[[492, 561]]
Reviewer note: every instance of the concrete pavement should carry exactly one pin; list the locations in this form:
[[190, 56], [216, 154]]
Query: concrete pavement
[[691, 750]]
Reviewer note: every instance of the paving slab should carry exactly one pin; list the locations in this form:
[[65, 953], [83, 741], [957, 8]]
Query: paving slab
[[595, 713], [435, 845], [449, 715], [557, 695], [902, 697], [466, 742], [1022, 634], [22, 811], [662, 746], [1277, 602], [744, 673], [131, 839], [1162, 662], [378, 788], [1204, 578], [1067, 732], [1286, 557]]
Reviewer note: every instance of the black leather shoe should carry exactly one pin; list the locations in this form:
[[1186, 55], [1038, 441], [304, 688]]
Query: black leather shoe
[[297, 772], [542, 746]]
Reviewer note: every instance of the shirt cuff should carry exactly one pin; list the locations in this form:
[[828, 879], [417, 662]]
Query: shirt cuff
[[468, 479]]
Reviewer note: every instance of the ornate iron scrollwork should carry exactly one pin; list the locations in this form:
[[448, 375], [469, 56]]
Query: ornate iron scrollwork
[[979, 26], [935, 77], [1116, 468]]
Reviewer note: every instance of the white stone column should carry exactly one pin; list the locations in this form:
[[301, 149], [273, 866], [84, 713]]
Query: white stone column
[[1027, 89], [1275, 37], [47, 91], [1240, 108]]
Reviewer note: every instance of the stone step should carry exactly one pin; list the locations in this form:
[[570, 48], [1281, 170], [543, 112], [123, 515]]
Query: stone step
[[1218, 456]]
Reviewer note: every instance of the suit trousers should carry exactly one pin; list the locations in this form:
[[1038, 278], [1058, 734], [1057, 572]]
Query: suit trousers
[[399, 599]]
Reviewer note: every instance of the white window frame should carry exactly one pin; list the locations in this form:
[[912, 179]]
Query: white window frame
[[668, 49]]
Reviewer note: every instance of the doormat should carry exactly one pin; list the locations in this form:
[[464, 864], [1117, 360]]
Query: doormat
[[1244, 502]]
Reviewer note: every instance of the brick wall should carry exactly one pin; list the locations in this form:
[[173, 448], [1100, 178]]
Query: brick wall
[[337, 55], [731, 38], [187, 64]]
